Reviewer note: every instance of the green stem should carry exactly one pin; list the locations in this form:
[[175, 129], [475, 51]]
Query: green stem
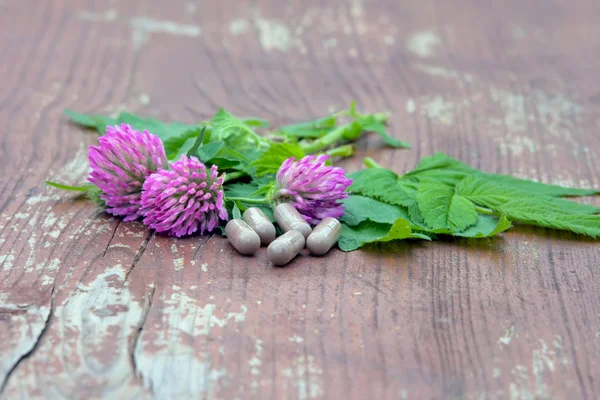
[[486, 211], [248, 200], [325, 141], [67, 187], [234, 175], [370, 163], [345, 150]]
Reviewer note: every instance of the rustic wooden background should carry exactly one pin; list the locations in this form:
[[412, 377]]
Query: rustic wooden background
[[91, 307]]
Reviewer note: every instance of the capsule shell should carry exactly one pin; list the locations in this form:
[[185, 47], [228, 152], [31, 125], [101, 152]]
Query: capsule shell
[[289, 219], [324, 236], [287, 246], [242, 237], [258, 221]]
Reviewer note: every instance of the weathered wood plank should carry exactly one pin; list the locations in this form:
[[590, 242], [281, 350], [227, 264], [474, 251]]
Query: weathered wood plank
[[90, 307]]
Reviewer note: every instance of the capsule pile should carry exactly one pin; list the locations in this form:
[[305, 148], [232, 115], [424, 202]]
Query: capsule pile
[[255, 229]]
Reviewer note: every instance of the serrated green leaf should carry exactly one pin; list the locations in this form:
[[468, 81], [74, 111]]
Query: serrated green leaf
[[361, 208], [209, 151], [381, 184], [370, 124], [354, 237], [270, 161], [486, 226], [450, 171], [442, 208], [234, 132], [495, 195], [530, 208]]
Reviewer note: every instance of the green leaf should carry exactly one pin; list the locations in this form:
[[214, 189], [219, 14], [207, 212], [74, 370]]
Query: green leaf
[[360, 208], [354, 237], [236, 211], [381, 184], [82, 188], [209, 151], [450, 171], [255, 122], [98, 122], [496, 196], [310, 129], [240, 189], [370, 124], [486, 226], [270, 161], [443, 209], [235, 133], [199, 139], [531, 208]]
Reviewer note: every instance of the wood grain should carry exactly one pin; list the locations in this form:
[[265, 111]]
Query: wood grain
[[91, 307]]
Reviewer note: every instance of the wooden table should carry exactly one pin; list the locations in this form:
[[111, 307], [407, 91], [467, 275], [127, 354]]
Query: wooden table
[[91, 307]]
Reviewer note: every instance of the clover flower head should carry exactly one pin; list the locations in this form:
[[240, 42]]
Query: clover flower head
[[312, 187], [120, 164], [184, 199]]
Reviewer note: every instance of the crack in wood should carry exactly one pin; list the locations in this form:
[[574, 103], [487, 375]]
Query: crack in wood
[[137, 334], [111, 238], [35, 346], [139, 254]]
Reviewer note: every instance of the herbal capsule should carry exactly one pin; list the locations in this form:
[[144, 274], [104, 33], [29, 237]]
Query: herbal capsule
[[324, 236], [258, 221], [242, 237], [289, 219], [283, 249]]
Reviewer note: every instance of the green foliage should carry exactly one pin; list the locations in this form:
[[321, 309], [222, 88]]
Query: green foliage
[[532, 209], [270, 161], [381, 184], [310, 129], [361, 208], [443, 209], [371, 124], [236, 133], [354, 237]]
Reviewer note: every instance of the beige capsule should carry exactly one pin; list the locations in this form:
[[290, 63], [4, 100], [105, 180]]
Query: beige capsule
[[287, 246], [258, 221], [324, 236], [289, 219], [242, 237]]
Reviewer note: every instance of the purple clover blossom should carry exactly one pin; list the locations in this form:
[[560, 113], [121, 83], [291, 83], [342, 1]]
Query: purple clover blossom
[[121, 163], [184, 199], [312, 187]]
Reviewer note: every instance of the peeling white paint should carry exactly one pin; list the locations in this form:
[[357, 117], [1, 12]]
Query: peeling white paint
[[442, 72], [438, 110], [239, 26], [204, 267], [6, 260], [305, 377], [424, 44], [178, 263], [507, 335], [330, 43], [273, 35], [107, 16], [144, 98], [143, 27], [165, 358], [255, 364], [410, 106], [389, 40], [296, 339]]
